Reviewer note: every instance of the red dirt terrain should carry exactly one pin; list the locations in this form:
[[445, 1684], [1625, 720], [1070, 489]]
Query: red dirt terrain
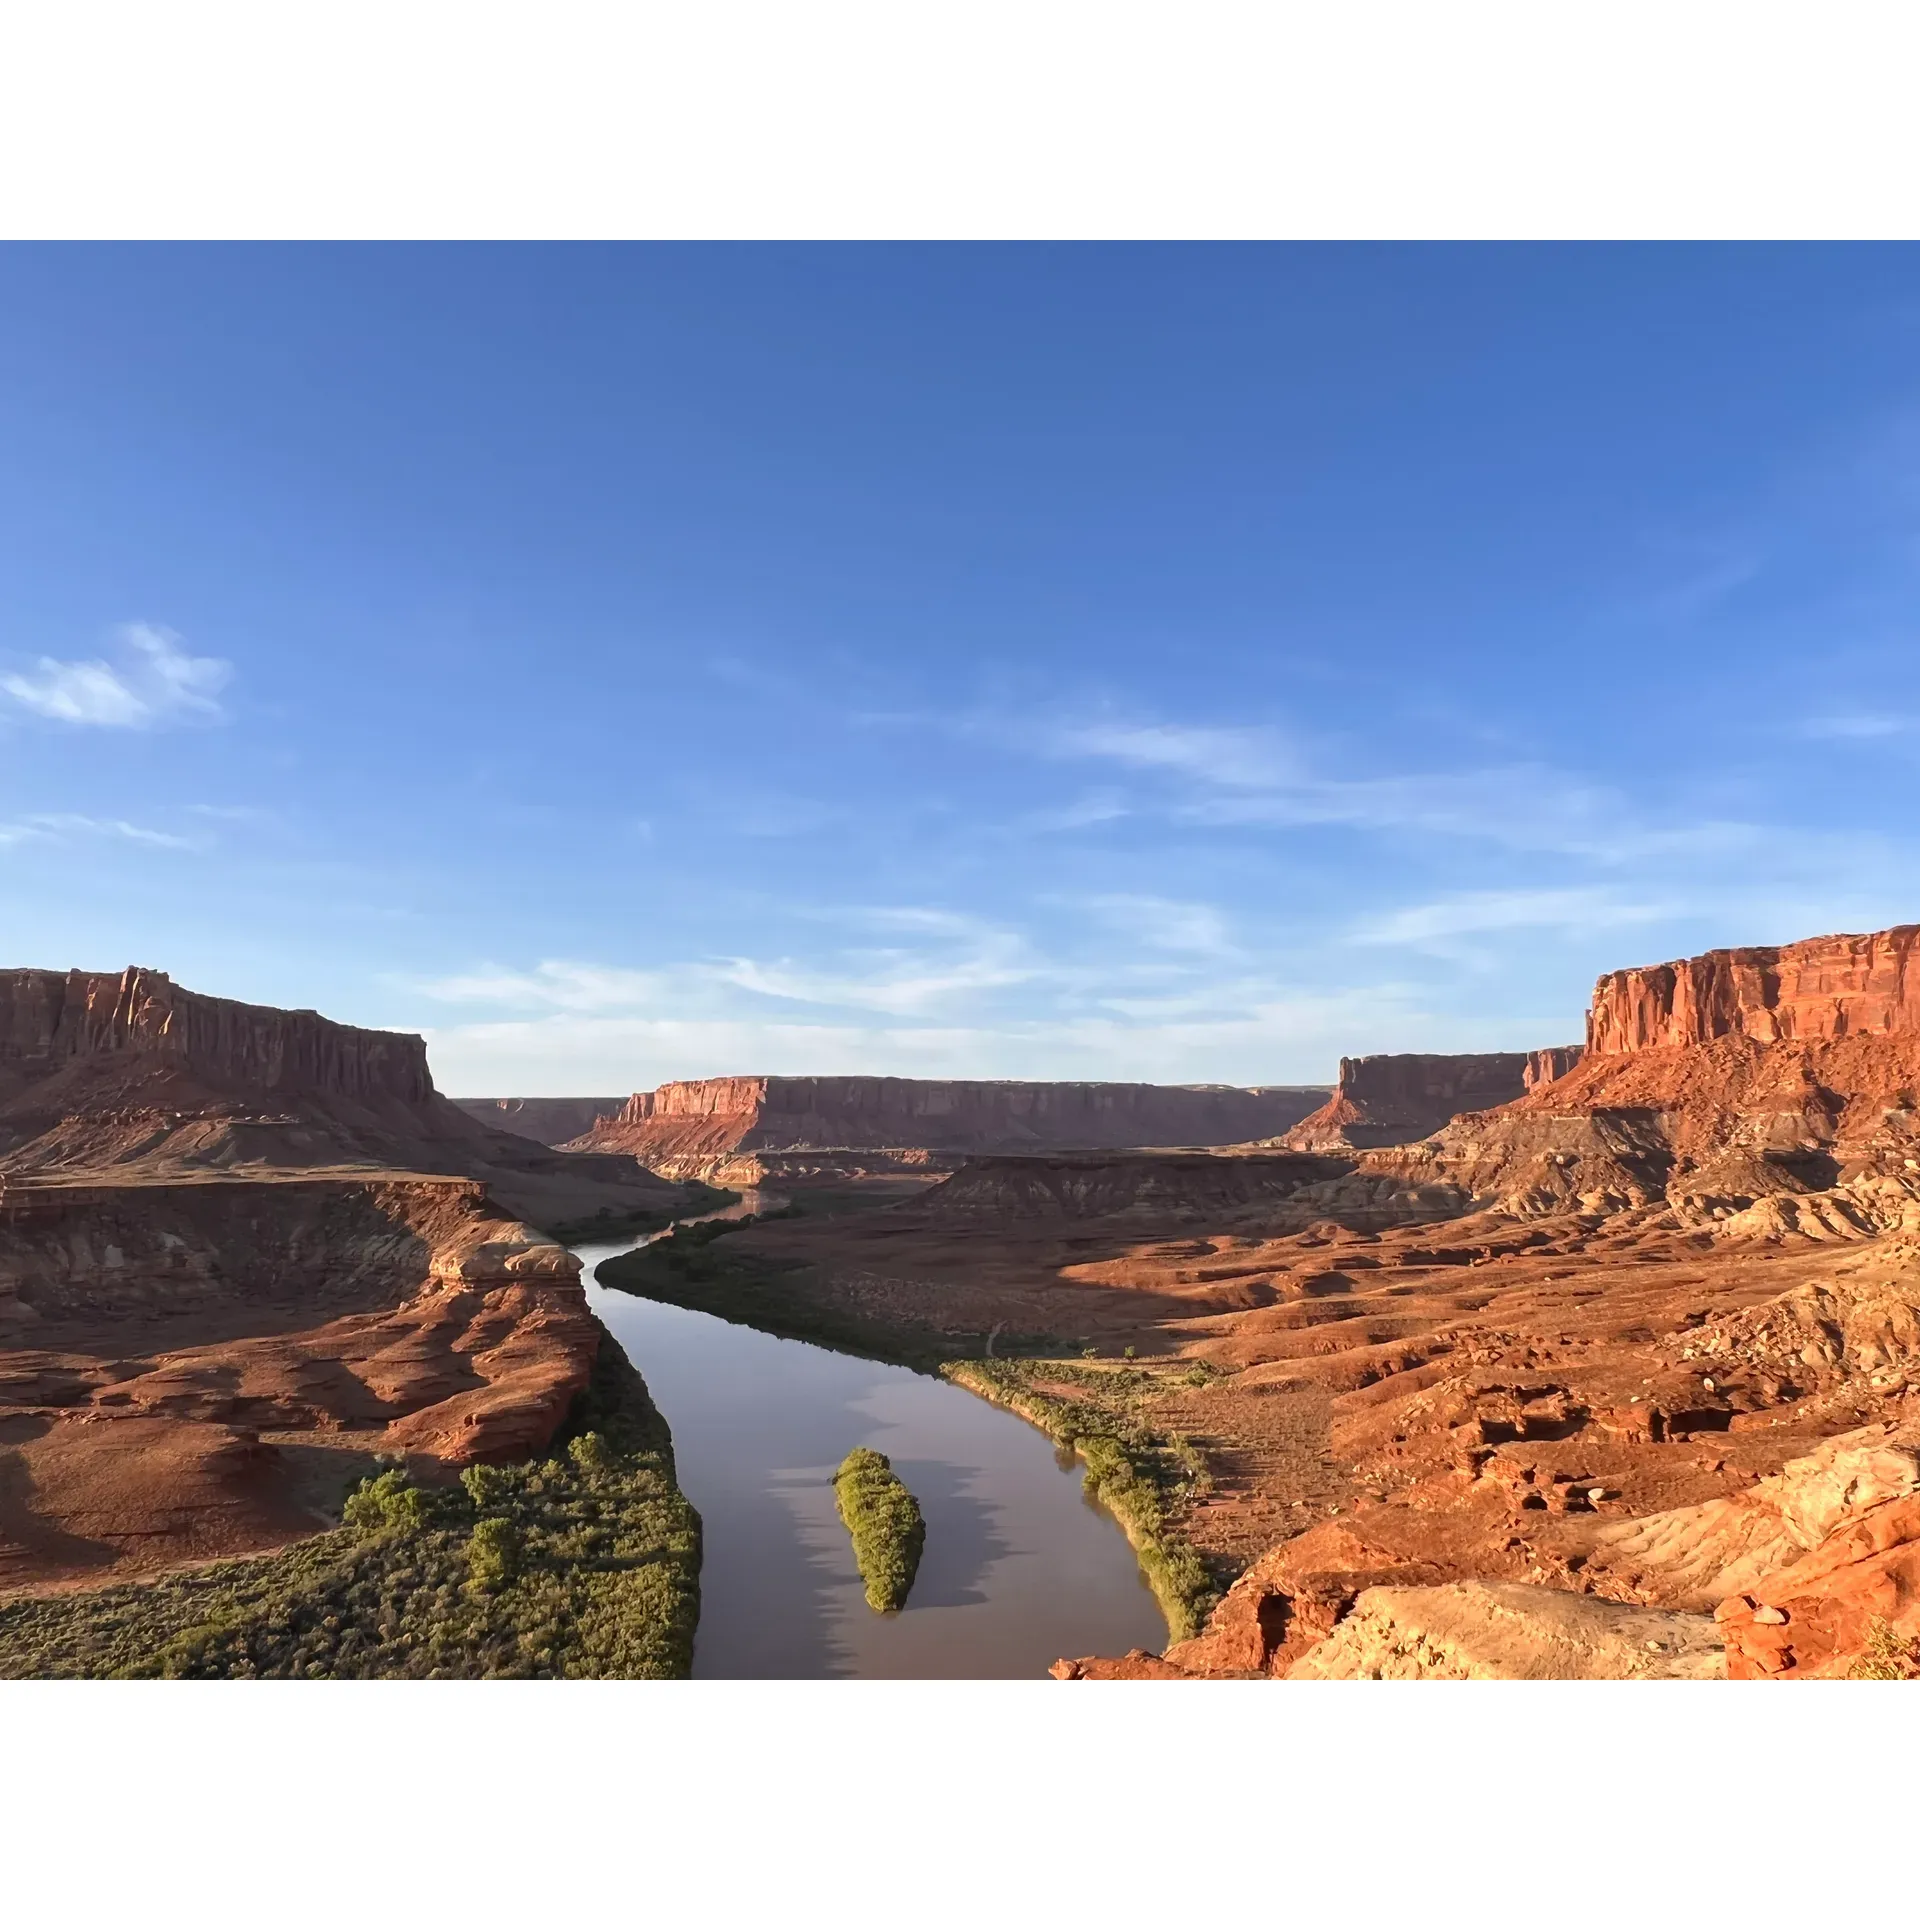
[[238, 1253], [1621, 1378]]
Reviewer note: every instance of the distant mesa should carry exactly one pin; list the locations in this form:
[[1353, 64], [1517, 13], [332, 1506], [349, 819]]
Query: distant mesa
[[710, 1128], [1547, 1064], [1389, 1099]]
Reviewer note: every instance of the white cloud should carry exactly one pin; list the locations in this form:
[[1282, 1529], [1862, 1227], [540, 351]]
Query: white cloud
[[1281, 1040], [567, 984], [1250, 757], [1857, 726], [955, 957], [66, 826], [1575, 909], [154, 681], [1173, 926]]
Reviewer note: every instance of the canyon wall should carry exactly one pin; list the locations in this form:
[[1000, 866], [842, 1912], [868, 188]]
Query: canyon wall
[[1388, 1099], [49, 1020], [129, 1076], [1827, 988], [690, 1125], [552, 1122]]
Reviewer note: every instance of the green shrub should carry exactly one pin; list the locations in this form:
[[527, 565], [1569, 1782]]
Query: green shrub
[[591, 1454], [885, 1522], [1141, 1475], [494, 1552], [487, 1486], [375, 1505], [607, 1581]]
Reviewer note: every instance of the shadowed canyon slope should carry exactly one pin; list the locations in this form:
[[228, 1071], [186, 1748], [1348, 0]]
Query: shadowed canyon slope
[[699, 1128], [551, 1122], [239, 1249], [1618, 1377]]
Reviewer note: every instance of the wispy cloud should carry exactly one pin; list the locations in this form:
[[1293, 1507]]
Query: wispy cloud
[[1172, 926], [935, 958], [1574, 909], [572, 985], [68, 826], [1249, 757], [154, 681], [1858, 726], [1262, 776]]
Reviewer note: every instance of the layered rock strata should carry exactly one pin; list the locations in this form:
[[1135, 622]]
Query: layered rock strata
[[195, 1368], [1833, 987], [688, 1128], [1387, 1099], [131, 1073]]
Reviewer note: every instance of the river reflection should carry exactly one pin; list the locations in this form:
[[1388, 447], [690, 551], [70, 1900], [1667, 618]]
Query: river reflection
[[1020, 1567]]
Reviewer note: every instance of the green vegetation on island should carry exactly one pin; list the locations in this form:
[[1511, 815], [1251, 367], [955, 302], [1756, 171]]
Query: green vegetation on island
[[885, 1522], [583, 1563], [1142, 1473]]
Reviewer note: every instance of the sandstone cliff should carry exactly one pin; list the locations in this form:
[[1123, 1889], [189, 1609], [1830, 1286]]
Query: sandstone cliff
[[1827, 988], [1758, 1091], [688, 1127], [1547, 1064], [1386, 1099], [49, 1021], [131, 1072]]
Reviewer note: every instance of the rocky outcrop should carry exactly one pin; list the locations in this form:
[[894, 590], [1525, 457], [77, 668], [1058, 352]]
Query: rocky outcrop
[[1828, 988], [1547, 1064], [1388, 1099], [1832, 1611], [50, 1020], [1485, 1630], [152, 1334], [130, 1075], [1765, 1094], [687, 1128], [1700, 1556], [551, 1122]]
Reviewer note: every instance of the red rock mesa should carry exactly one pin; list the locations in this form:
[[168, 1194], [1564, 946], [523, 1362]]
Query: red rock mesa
[[694, 1128]]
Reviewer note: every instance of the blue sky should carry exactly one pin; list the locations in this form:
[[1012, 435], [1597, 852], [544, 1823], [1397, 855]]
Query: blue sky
[[1164, 663]]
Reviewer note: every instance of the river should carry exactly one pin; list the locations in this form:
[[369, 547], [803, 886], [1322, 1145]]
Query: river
[[1020, 1565]]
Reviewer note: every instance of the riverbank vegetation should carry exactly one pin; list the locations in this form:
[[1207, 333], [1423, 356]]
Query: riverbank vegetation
[[612, 1222], [1141, 1472], [886, 1524], [582, 1563], [1138, 1472]]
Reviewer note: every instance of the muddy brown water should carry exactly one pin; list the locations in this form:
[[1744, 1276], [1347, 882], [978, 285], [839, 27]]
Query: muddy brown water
[[1021, 1566]]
